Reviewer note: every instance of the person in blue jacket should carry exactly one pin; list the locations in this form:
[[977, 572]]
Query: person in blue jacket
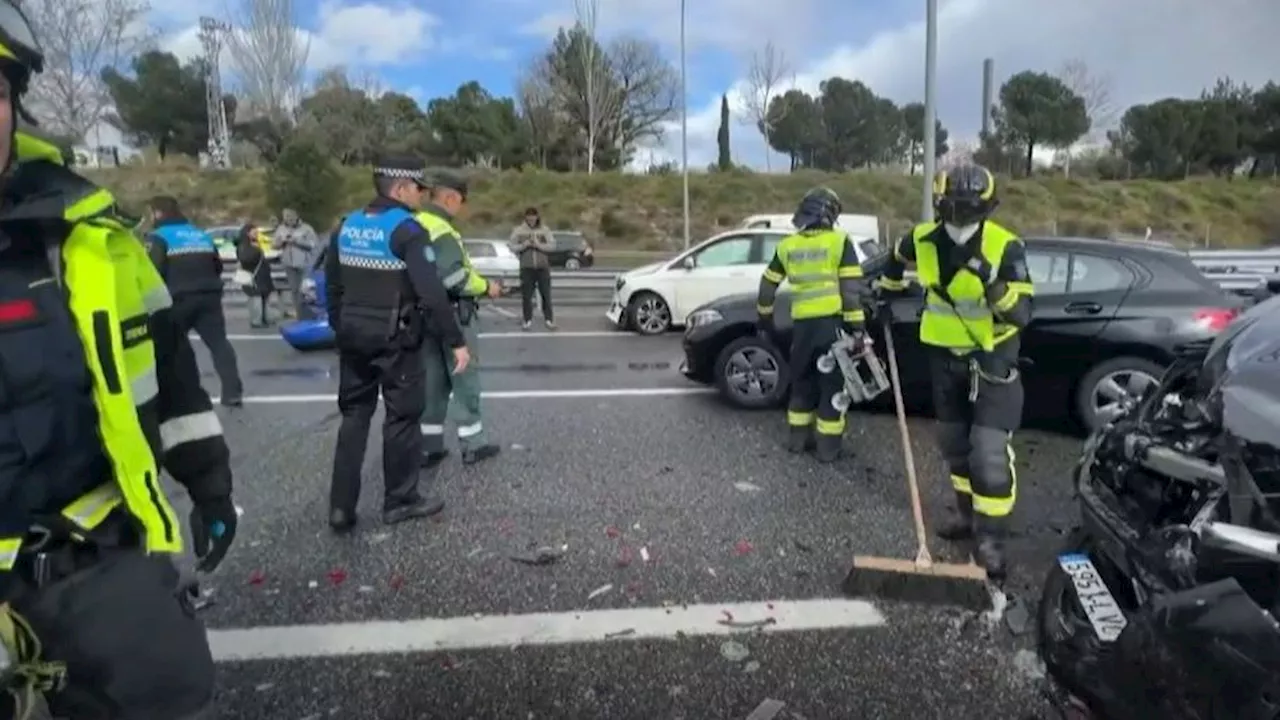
[[189, 262]]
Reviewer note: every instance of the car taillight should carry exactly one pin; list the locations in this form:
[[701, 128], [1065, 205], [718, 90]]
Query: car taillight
[[1215, 319]]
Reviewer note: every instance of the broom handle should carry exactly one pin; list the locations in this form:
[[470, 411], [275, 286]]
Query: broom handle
[[913, 486]]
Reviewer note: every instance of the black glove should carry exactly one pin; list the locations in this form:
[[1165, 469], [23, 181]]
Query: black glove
[[764, 326], [213, 528]]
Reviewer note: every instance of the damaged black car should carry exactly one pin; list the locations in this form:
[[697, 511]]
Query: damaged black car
[[1163, 603]]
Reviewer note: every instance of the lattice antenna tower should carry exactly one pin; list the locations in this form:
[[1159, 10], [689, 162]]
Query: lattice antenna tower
[[211, 38]]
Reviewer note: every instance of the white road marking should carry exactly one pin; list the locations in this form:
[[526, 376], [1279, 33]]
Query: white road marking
[[506, 395], [502, 311], [502, 631], [488, 335]]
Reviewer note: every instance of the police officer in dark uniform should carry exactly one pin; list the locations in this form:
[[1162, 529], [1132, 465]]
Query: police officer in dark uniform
[[384, 299], [978, 296], [827, 295], [189, 262], [99, 391]]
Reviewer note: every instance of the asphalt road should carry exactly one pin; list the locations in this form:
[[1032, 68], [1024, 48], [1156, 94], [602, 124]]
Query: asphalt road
[[667, 512]]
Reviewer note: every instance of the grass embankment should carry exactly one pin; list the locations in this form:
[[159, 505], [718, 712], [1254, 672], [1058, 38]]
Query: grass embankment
[[639, 213]]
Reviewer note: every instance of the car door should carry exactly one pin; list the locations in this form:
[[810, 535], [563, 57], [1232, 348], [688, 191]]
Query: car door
[[1077, 294], [716, 270], [484, 257]]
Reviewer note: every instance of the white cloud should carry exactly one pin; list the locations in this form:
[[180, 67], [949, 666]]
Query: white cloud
[[366, 34], [1149, 48]]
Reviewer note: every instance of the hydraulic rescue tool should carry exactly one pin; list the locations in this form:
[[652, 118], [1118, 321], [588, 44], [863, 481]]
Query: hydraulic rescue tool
[[864, 376]]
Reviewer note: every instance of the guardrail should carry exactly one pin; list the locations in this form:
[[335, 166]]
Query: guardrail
[[1233, 270]]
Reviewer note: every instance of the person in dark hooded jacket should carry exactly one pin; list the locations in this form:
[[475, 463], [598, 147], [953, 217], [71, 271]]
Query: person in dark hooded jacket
[[260, 285]]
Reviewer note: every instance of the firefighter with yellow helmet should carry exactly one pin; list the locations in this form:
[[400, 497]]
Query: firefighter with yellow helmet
[[978, 296], [98, 393], [827, 296]]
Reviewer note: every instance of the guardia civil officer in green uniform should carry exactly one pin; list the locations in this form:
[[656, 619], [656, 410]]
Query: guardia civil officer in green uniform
[[385, 304], [827, 295], [978, 296], [466, 287], [99, 391]]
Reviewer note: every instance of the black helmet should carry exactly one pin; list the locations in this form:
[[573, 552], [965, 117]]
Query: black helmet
[[964, 195], [820, 207], [20, 53]]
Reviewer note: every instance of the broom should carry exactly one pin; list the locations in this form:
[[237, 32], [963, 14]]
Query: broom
[[922, 579]]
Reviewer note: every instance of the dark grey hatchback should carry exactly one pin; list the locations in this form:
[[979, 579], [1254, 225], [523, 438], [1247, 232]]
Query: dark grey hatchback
[[1109, 316]]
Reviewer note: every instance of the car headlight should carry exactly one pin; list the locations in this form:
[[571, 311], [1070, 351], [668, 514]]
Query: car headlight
[[704, 317]]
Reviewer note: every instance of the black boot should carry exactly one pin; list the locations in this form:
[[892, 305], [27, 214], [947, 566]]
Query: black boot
[[829, 448], [800, 438], [341, 521], [959, 528], [480, 454], [433, 458], [417, 508]]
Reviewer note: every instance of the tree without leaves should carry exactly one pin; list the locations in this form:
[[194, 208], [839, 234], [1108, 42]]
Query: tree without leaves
[[270, 58], [647, 89], [1039, 109], [766, 73], [1094, 90], [598, 93], [544, 122], [80, 38]]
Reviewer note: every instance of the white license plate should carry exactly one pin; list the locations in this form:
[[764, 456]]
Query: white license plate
[[614, 314], [1099, 604]]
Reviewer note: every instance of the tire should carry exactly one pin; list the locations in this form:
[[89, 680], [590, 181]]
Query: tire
[[738, 354], [573, 263], [1060, 621], [648, 313], [1090, 386]]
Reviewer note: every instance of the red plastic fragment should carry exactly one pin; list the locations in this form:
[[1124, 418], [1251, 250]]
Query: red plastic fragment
[[337, 576], [612, 532], [257, 577], [396, 581], [742, 547], [624, 556]]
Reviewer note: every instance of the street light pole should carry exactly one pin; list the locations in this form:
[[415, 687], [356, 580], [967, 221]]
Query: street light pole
[[684, 125], [930, 106]]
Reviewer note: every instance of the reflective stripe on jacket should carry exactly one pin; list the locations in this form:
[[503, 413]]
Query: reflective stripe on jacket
[[459, 278], [962, 320]]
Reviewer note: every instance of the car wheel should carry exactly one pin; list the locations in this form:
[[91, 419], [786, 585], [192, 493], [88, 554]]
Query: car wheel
[[572, 264], [1107, 388], [1065, 634], [752, 373], [649, 313]]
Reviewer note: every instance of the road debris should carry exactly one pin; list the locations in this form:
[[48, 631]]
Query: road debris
[[620, 633], [712, 572], [396, 581], [544, 555], [382, 674], [1028, 664], [734, 651], [644, 554], [767, 710], [743, 486], [518, 447], [624, 557], [474, 552], [378, 538], [747, 624], [337, 576], [312, 584], [365, 589], [201, 599], [263, 687], [743, 547], [612, 532], [803, 546], [599, 591], [257, 577], [751, 667]]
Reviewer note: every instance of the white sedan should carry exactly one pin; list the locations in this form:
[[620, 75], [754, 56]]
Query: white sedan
[[491, 257], [659, 297]]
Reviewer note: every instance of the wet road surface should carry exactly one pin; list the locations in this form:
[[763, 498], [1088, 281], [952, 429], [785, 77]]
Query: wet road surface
[[668, 512]]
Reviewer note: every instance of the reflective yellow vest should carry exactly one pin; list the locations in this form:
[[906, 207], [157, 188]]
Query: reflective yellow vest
[[113, 289], [967, 322], [463, 281], [812, 263]]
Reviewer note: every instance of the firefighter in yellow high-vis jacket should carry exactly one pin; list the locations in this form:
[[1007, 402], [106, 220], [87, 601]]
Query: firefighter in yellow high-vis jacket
[[98, 393], [827, 295], [978, 295]]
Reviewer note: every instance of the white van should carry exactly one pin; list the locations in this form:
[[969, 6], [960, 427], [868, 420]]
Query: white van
[[861, 227]]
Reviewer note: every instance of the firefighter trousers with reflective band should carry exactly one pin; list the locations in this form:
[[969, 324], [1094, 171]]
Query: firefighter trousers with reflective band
[[396, 372], [812, 392], [119, 623], [974, 436], [454, 397]]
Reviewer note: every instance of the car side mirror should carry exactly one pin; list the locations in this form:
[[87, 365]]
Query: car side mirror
[[1243, 540], [688, 263]]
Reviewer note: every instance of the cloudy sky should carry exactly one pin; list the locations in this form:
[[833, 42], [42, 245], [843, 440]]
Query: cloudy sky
[[1147, 48]]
